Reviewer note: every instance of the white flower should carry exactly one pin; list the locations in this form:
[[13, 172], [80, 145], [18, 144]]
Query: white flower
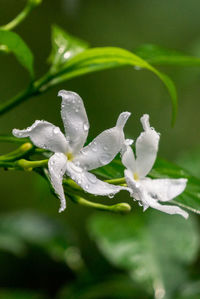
[[145, 190], [70, 156]]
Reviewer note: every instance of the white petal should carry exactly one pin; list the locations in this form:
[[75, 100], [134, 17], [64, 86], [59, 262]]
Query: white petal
[[164, 189], [57, 166], [104, 147], [148, 197], [134, 186], [44, 135], [128, 158], [90, 183], [146, 148], [168, 209], [75, 119]]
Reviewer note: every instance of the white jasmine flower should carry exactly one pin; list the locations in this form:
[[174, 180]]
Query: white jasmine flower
[[149, 192], [70, 157]]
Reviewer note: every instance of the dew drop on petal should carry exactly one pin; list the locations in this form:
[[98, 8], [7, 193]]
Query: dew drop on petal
[[91, 178], [129, 141], [86, 186], [105, 148], [56, 130], [85, 127], [79, 181], [111, 195], [104, 159]]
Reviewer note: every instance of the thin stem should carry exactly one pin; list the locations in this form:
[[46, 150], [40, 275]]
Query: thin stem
[[21, 97], [29, 165], [118, 181], [6, 165], [121, 208], [21, 16], [18, 153], [34, 89], [12, 139]]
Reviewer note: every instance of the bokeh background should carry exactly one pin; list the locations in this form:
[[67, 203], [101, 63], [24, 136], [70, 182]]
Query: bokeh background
[[128, 24]]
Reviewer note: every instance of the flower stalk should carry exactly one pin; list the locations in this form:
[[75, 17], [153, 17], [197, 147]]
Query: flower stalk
[[121, 208]]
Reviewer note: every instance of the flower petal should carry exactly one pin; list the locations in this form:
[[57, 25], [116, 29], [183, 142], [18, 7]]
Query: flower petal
[[75, 119], [146, 148], [104, 147], [168, 209], [164, 189], [128, 158], [141, 192], [57, 166], [90, 183], [44, 135]]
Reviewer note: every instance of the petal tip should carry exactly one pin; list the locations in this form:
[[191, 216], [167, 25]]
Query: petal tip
[[16, 132], [145, 121], [62, 207], [122, 119], [66, 93]]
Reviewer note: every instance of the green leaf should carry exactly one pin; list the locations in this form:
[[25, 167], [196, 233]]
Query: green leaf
[[190, 160], [112, 287], [64, 47], [96, 59], [157, 55], [150, 247], [12, 42], [189, 199], [20, 229]]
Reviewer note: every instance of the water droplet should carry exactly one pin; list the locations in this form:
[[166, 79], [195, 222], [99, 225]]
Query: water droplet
[[91, 178], [129, 141], [77, 110], [77, 163], [76, 168], [56, 130], [105, 159], [29, 129], [85, 127], [94, 149], [79, 181], [105, 148], [86, 186], [111, 195]]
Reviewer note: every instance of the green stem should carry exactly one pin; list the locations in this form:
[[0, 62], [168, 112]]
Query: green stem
[[12, 139], [34, 89], [18, 153], [5, 164], [121, 208], [29, 165], [118, 181], [21, 16], [21, 97]]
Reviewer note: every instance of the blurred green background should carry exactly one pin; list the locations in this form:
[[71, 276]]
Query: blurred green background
[[44, 251]]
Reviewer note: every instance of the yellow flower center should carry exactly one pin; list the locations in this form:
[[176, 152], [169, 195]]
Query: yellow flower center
[[136, 176], [70, 157]]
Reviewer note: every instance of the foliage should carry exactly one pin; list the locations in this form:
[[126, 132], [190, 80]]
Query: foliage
[[147, 247]]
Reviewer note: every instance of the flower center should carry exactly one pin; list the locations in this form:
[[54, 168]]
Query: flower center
[[136, 176], [70, 157]]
